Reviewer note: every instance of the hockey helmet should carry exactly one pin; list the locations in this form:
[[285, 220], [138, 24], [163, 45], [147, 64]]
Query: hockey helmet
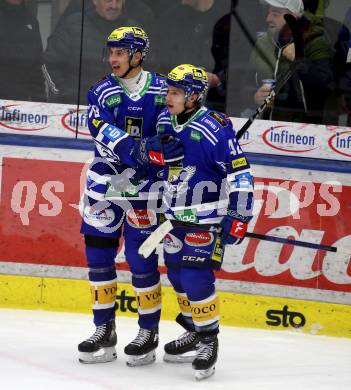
[[132, 38], [191, 79]]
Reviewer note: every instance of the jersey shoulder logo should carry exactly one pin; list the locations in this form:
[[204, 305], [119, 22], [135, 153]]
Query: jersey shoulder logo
[[102, 83], [218, 118], [97, 83]]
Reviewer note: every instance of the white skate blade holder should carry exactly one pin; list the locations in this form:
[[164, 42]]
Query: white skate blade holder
[[203, 374], [187, 357], [103, 355], [141, 360]]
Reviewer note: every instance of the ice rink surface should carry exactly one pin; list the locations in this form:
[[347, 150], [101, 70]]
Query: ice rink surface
[[38, 350]]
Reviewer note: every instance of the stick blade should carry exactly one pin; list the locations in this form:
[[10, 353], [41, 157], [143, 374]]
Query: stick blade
[[150, 244]]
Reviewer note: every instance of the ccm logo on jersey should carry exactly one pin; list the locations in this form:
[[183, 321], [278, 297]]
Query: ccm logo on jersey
[[198, 239], [238, 229], [196, 259]]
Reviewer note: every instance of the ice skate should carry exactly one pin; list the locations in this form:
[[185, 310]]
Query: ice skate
[[100, 347], [182, 350], [141, 350], [206, 357]]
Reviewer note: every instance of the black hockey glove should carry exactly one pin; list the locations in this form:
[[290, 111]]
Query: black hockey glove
[[234, 227], [157, 150]]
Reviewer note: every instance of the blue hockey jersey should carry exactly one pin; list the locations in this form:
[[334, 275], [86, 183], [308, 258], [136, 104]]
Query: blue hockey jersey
[[214, 173], [117, 119]]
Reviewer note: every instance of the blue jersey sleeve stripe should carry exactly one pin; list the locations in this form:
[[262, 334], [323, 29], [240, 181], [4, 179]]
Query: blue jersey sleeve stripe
[[111, 92], [152, 92], [112, 89], [163, 122]]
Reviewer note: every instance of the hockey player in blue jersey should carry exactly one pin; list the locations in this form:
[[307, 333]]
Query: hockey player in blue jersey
[[213, 185], [122, 115]]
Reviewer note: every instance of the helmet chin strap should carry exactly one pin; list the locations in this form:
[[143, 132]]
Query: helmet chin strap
[[186, 113], [196, 106]]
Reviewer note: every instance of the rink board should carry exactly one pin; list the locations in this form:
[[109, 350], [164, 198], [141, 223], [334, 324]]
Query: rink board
[[239, 310], [41, 180], [40, 220], [269, 137]]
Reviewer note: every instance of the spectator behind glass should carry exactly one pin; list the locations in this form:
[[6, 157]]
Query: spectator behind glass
[[302, 99], [62, 55], [20, 53], [332, 28], [244, 19], [157, 6], [343, 67], [187, 34]]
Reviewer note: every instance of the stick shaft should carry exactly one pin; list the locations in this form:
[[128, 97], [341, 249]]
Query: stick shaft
[[150, 244], [258, 236]]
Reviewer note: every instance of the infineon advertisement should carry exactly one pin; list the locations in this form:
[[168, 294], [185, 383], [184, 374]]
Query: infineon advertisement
[[279, 138]]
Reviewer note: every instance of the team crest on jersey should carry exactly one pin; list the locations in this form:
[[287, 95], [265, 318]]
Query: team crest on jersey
[[178, 178], [133, 127], [113, 100]]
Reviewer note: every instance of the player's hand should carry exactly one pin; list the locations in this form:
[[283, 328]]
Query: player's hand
[[289, 52], [172, 147], [233, 230], [157, 150], [262, 93]]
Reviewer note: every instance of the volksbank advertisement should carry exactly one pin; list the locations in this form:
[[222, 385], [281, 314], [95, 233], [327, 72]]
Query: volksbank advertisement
[[261, 284]]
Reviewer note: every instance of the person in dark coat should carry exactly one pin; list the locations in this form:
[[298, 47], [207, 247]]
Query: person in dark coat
[[342, 60], [302, 99], [187, 33], [21, 51], [75, 61]]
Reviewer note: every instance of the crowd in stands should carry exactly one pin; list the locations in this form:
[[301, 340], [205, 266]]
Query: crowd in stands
[[215, 34]]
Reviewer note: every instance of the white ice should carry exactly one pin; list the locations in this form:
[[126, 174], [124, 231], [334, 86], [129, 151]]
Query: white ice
[[38, 350]]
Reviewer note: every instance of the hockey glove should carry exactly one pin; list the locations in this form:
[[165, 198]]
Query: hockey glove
[[155, 150], [233, 229]]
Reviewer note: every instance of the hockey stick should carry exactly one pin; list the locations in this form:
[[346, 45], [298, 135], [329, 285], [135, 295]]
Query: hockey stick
[[150, 244], [299, 54]]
